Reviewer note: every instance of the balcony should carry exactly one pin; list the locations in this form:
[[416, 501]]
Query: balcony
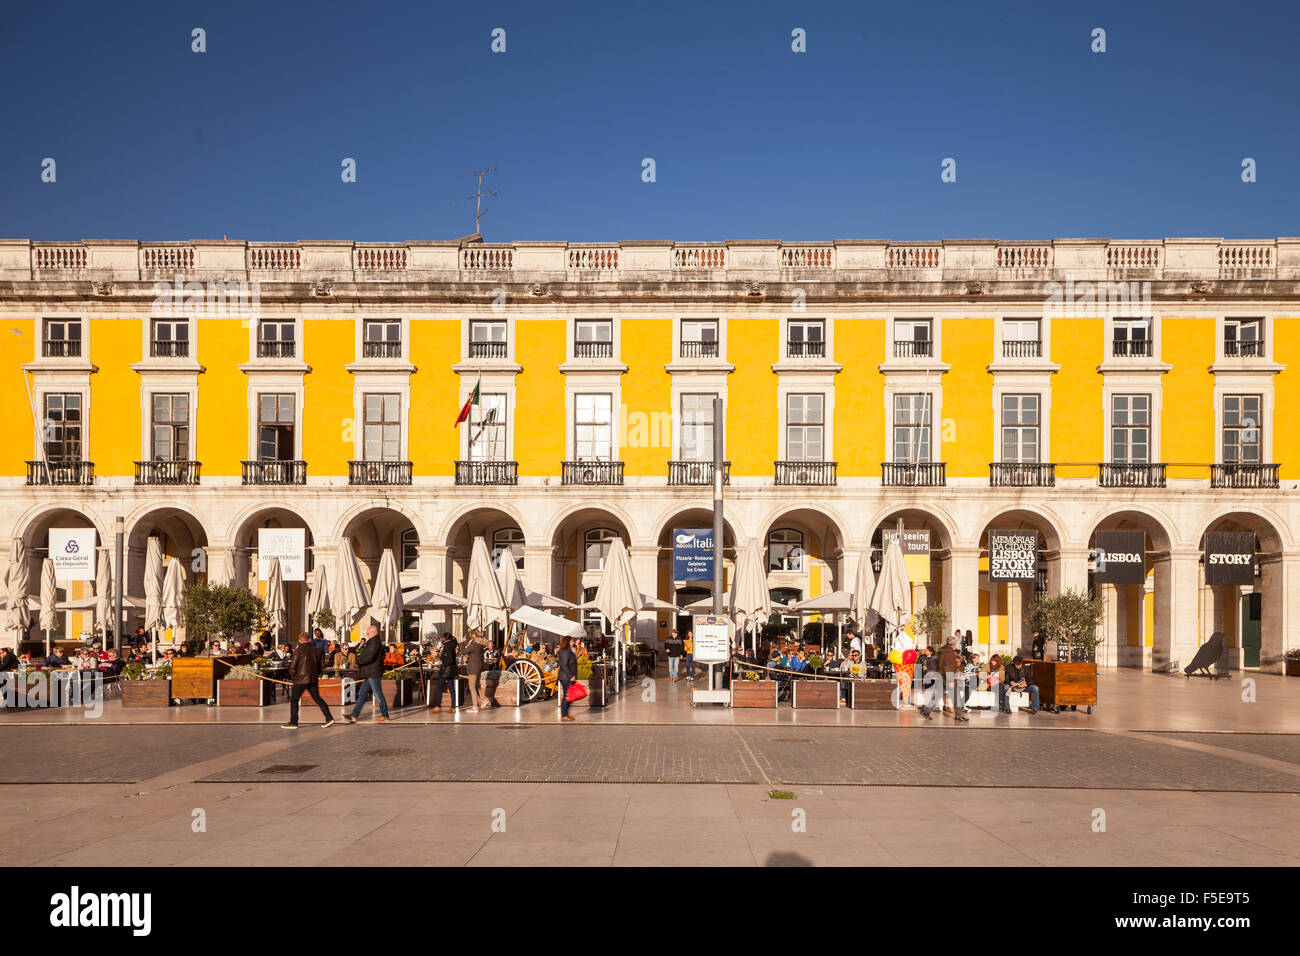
[[487, 350], [1240, 474], [1246, 348], [61, 348], [696, 473], [591, 473], [1022, 348], [60, 473], [487, 472], [806, 472], [593, 350], [169, 348], [921, 474], [913, 348], [274, 472], [1022, 474], [267, 348], [805, 349], [166, 472], [379, 473], [1131, 475], [699, 349], [1131, 348], [372, 350]]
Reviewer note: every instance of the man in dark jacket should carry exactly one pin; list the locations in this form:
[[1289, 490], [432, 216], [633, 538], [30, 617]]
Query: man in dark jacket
[[447, 672], [8, 661], [1019, 679], [950, 668], [370, 675], [305, 670]]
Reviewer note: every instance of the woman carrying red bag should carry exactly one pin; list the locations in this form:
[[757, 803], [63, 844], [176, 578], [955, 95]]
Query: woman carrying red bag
[[568, 674]]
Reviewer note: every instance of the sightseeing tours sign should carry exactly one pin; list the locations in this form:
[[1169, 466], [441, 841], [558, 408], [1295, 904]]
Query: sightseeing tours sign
[[1120, 557], [72, 552], [916, 551], [1230, 557], [693, 554], [1013, 556]]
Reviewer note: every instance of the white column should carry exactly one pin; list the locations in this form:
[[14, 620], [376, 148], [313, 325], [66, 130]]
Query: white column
[[961, 588], [537, 569], [1186, 600], [645, 568]]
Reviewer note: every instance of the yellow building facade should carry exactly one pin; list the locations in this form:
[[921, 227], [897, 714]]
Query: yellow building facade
[[204, 391]]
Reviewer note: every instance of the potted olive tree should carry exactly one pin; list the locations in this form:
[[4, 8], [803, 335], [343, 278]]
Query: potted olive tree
[[1071, 618], [931, 622]]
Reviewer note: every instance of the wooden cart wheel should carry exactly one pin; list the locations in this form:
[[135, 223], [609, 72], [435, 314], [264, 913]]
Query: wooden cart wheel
[[530, 675]]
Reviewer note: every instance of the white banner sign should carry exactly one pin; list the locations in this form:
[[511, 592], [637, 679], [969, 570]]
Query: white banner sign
[[712, 644], [287, 544], [73, 552]]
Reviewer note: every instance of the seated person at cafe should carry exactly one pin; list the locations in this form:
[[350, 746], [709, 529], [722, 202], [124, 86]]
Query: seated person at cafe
[[1019, 679], [8, 660], [85, 660], [112, 664], [343, 657], [799, 662], [281, 653], [57, 659], [850, 668]]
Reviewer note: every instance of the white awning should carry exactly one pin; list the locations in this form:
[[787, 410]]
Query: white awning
[[550, 623]]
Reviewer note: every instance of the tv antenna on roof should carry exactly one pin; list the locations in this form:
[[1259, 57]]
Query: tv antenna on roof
[[479, 195]]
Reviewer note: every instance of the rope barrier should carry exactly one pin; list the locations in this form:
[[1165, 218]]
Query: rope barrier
[[804, 674]]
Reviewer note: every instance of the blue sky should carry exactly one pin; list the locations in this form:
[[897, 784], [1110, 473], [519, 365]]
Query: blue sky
[[749, 139]]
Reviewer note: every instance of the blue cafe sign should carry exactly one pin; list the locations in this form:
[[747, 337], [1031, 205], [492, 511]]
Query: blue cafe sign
[[693, 554]]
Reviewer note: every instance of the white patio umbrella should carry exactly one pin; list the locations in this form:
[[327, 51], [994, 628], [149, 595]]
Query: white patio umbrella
[[386, 604], [104, 597], [319, 599], [172, 598], [153, 586], [864, 586], [751, 601], [484, 602], [226, 573], [274, 603], [512, 589], [617, 597], [49, 595], [351, 597], [892, 597], [17, 582], [550, 602]]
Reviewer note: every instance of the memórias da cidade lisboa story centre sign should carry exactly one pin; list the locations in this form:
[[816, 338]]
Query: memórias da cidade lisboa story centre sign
[[1013, 555]]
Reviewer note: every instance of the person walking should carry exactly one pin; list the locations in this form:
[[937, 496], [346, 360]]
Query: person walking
[[305, 670], [950, 668], [688, 651], [447, 672], [674, 648], [474, 647], [568, 674], [1038, 646], [370, 675]]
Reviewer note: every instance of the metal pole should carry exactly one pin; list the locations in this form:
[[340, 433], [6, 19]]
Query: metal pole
[[118, 526], [718, 435]]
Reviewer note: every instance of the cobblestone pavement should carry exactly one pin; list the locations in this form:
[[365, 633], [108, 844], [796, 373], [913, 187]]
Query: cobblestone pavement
[[949, 757]]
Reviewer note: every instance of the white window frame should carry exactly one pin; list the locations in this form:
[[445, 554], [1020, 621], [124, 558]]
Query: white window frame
[[162, 387], [1153, 328], [404, 331], [1038, 426], [467, 325], [571, 336], [1265, 424], [1044, 338], [192, 437], [1220, 332], [614, 416], [912, 385], [786, 425], [931, 443], [803, 551], [795, 385], [39, 394], [1024, 385], [254, 336], [1109, 439], [936, 339], [507, 402], [146, 348], [679, 421], [41, 324], [522, 561], [360, 391], [828, 331], [679, 336]]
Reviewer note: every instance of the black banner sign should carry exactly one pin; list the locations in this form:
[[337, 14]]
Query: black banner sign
[[1121, 557], [1013, 555], [1230, 557]]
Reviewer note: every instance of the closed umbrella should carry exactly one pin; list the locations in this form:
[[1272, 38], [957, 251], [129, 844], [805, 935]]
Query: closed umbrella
[[104, 597], [617, 596], [484, 602], [153, 585], [17, 583], [49, 595], [386, 604], [864, 586], [172, 598], [319, 599], [351, 597], [275, 608], [512, 589], [892, 597], [226, 573], [751, 601]]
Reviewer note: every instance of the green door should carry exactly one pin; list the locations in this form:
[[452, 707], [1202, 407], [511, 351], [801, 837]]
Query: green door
[[1250, 629]]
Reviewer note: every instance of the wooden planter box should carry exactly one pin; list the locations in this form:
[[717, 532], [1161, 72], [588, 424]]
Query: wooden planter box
[[599, 691], [196, 677], [1293, 668], [872, 694], [1065, 683], [816, 695], [146, 693], [753, 693], [245, 693], [400, 692], [504, 692]]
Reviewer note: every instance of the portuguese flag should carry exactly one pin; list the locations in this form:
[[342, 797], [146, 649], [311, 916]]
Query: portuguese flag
[[473, 400]]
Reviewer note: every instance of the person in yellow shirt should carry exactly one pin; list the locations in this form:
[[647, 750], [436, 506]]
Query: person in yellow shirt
[[688, 652]]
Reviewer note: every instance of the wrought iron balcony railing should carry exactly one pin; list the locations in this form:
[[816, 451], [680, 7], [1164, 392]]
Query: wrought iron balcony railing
[[169, 348], [1245, 348], [487, 472], [60, 473], [922, 474], [806, 472], [1022, 474], [590, 350], [274, 471], [795, 349], [379, 473], [1123, 474], [381, 349], [275, 348], [1131, 348], [696, 473], [591, 473], [166, 472], [1243, 474], [61, 348]]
